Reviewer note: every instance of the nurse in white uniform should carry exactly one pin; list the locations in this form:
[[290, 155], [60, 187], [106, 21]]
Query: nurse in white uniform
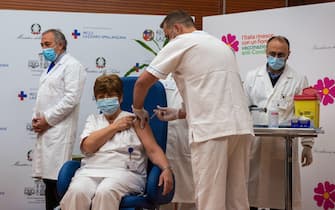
[[216, 110], [115, 150]]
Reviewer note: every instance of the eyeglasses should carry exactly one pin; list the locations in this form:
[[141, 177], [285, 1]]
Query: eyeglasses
[[278, 55]]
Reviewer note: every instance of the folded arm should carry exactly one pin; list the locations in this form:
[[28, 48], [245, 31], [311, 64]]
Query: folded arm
[[96, 139]]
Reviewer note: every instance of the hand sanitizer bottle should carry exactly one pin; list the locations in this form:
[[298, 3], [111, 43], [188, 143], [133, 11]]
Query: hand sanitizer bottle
[[273, 115]]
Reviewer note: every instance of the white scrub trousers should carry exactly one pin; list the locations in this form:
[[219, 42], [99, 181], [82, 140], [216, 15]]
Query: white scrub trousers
[[97, 193], [220, 169]]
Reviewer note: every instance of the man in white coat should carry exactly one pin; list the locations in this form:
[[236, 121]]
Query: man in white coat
[[273, 86], [216, 110], [177, 150], [55, 114]]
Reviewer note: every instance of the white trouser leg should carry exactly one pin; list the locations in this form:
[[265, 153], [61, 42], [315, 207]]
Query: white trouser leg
[[209, 165], [108, 195], [238, 173], [110, 191], [220, 169], [79, 194]]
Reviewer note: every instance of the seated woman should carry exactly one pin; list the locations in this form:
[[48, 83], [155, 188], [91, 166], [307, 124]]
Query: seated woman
[[115, 149]]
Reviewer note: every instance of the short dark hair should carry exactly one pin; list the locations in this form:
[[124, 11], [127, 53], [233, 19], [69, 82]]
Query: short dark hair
[[279, 38], [108, 83], [177, 16], [59, 37]]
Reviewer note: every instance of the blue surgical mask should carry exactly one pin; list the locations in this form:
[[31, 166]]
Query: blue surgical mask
[[108, 106], [49, 54], [276, 63]]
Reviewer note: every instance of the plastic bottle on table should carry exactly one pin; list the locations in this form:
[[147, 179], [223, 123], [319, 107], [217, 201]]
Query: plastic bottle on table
[[273, 115]]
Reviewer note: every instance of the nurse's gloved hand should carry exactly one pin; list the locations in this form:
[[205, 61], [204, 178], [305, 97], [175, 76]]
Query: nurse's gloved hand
[[166, 113], [306, 156], [141, 114]]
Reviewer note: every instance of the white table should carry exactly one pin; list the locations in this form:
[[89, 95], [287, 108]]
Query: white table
[[288, 134]]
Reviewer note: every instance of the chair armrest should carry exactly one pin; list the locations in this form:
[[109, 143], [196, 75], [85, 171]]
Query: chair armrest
[[65, 175], [154, 191]]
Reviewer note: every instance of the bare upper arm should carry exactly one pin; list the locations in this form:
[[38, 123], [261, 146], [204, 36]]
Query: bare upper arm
[[146, 80], [145, 135]]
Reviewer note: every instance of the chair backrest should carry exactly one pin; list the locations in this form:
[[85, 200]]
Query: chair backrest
[[156, 96], [153, 194]]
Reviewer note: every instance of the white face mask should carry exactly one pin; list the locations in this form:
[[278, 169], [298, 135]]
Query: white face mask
[[276, 63], [108, 106]]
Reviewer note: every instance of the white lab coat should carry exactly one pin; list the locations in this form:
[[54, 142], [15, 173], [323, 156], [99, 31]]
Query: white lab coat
[[177, 148], [266, 180], [57, 100]]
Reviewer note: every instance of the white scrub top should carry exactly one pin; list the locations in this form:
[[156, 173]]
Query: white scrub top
[[114, 154], [210, 85]]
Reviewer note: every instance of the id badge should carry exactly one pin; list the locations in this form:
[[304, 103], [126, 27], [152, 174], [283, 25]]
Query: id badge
[[131, 165]]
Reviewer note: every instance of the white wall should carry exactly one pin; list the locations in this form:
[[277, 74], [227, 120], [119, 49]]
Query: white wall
[[110, 36], [311, 32]]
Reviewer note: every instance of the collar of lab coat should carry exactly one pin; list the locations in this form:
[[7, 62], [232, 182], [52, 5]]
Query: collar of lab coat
[[59, 57], [58, 64], [286, 76]]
